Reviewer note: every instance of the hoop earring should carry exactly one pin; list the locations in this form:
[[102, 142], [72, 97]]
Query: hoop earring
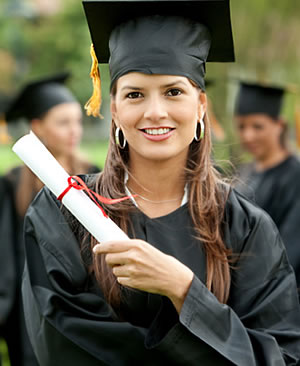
[[118, 138], [199, 134]]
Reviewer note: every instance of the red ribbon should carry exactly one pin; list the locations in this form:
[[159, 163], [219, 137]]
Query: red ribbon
[[78, 183]]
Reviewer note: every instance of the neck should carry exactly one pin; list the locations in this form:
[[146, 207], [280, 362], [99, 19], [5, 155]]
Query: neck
[[274, 158], [64, 161], [159, 185]]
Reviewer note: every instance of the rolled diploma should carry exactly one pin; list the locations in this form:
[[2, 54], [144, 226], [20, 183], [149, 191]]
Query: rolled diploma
[[43, 164]]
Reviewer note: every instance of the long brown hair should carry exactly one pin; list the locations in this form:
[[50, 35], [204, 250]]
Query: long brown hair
[[207, 197]]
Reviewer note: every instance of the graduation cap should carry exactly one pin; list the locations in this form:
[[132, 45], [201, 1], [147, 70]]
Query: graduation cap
[[256, 98], [158, 37], [37, 97]]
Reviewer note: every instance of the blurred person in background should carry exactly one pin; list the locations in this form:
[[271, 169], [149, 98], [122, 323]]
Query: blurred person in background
[[55, 116], [8, 277], [272, 179]]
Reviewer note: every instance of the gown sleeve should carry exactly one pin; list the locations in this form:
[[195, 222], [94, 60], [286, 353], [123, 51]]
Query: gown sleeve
[[7, 256], [260, 325]]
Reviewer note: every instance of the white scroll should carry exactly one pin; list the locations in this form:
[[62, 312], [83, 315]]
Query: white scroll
[[43, 164]]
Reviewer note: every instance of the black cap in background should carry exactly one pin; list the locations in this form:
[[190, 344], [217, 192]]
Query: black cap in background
[[38, 96], [254, 98]]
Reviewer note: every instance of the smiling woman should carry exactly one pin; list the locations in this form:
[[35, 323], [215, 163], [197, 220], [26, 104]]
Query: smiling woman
[[193, 285]]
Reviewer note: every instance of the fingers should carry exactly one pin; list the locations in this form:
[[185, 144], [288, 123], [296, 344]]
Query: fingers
[[113, 246], [121, 270], [115, 259]]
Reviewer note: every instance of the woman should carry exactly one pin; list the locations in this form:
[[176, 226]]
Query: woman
[[272, 179], [55, 116], [169, 295]]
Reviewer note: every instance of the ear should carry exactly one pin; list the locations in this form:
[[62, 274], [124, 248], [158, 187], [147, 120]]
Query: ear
[[36, 127], [281, 122], [113, 111], [202, 104]]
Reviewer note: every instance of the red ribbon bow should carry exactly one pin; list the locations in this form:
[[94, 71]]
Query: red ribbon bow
[[78, 183]]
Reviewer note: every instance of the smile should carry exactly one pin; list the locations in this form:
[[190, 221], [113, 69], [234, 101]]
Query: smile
[[157, 134], [157, 131]]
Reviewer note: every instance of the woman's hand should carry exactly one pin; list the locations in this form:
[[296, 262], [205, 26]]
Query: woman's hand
[[138, 264]]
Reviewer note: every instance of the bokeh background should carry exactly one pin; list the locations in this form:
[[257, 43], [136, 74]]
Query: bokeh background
[[43, 37]]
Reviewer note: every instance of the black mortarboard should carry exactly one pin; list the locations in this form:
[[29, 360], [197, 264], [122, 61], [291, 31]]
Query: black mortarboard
[[256, 98], [160, 37], [37, 97]]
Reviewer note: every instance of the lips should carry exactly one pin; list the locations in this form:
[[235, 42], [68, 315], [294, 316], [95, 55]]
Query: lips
[[157, 133]]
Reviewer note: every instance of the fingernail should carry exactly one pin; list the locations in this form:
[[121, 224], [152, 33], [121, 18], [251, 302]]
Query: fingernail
[[95, 248]]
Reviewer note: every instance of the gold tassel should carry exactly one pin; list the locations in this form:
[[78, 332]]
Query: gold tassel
[[93, 105]]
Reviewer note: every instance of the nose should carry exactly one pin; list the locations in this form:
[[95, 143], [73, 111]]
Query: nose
[[247, 135], [156, 109], [76, 130]]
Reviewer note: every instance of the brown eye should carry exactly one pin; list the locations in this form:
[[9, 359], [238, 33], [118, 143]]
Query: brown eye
[[258, 126], [134, 95], [173, 92]]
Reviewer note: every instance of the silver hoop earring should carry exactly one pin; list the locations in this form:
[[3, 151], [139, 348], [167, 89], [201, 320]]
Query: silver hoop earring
[[120, 138], [199, 132]]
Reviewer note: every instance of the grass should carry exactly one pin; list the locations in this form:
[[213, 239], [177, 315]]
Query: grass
[[95, 152], [3, 353]]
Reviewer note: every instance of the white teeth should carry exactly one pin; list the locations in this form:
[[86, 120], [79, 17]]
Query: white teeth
[[155, 131]]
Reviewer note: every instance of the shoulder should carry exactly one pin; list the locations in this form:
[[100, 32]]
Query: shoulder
[[93, 169], [292, 165], [9, 182], [46, 226], [243, 218], [287, 178], [12, 176]]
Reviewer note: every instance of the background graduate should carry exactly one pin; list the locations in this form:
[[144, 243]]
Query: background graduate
[[272, 179], [168, 296], [55, 116]]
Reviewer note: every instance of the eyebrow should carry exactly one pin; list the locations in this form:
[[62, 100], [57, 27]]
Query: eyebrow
[[130, 87], [176, 82]]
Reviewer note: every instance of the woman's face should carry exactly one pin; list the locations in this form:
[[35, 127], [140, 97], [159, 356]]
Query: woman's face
[[157, 114], [259, 134], [61, 128]]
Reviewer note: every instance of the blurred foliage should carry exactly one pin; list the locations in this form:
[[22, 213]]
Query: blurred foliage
[[95, 152], [3, 352], [266, 36]]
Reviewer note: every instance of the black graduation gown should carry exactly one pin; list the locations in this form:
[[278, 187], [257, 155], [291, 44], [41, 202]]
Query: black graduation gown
[[70, 323], [12, 328], [277, 191], [12, 258], [8, 278]]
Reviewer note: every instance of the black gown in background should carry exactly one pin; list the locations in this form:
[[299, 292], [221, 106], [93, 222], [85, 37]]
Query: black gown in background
[[277, 191], [69, 322], [12, 258]]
